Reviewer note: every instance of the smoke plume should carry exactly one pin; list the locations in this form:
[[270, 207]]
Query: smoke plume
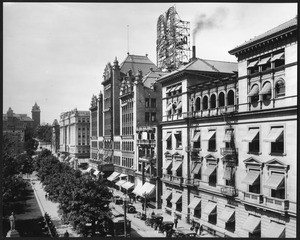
[[204, 21]]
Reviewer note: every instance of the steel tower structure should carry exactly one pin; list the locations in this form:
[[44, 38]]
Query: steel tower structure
[[173, 40]]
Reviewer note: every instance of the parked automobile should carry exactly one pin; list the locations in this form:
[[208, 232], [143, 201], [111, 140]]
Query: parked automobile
[[130, 208], [166, 226], [156, 221], [184, 233]]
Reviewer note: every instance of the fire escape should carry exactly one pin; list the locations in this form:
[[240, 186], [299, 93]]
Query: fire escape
[[230, 158]]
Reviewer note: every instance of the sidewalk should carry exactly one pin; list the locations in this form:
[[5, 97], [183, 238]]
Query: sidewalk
[[147, 231], [51, 208]]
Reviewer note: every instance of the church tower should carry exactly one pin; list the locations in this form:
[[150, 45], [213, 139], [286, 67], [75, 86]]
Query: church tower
[[36, 115]]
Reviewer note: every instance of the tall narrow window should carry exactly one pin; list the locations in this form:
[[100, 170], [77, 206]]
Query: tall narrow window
[[221, 99], [276, 138], [178, 140], [279, 88], [213, 101], [197, 107], [252, 138], [147, 100], [205, 103], [230, 97]]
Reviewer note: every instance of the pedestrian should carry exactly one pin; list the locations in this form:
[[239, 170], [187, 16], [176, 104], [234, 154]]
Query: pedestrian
[[175, 221], [46, 196], [201, 229], [196, 228], [153, 213], [66, 234], [143, 206]]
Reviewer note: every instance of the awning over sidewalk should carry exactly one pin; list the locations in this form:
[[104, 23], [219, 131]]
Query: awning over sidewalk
[[275, 230], [227, 215], [120, 182], [122, 175], [128, 185], [113, 176], [251, 224], [137, 188], [96, 172], [147, 189], [195, 204]]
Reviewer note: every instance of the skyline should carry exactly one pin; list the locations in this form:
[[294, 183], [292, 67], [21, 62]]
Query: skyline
[[61, 49]]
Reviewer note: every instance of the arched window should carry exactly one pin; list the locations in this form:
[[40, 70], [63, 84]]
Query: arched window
[[221, 99], [230, 97], [213, 101], [197, 104], [205, 103], [280, 88]]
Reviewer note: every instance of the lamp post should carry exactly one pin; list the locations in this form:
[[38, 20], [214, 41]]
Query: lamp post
[[125, 199]]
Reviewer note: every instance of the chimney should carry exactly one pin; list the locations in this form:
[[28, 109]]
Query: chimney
[[194, 52]]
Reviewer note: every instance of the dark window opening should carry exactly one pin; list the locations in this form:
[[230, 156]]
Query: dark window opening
[[197, 104], [221, 99], [279, 89], [254, 145], [205, 103], [230, 97], [213, 101]]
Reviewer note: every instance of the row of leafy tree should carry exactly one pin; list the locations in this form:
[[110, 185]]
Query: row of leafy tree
[[13, 185], [82, 199]]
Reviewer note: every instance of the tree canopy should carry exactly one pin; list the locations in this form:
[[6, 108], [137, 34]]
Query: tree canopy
[[44, 132]]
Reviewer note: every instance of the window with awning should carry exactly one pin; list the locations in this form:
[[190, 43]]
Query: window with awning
[[266, 89], [252, 224], [196, 137], [179, 106], [252, 64], [228, 215], [177, 88], [167, 137], [275, 230], [210, 169], [274, 134], [209, 135], [275, 181], [177, 165], [195, 204], [147, 167], [277, 56], [167, 164], [169, 108], [210, 208], [264, 61], [251, 177], [144, 135], [254, 91], [197, 168], [176, 198], [167, 194], [252, 133]]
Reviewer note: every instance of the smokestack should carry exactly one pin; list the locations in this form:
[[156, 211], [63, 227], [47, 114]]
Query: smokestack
[[194, 52]]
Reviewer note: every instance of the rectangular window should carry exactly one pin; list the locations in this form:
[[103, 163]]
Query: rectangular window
[[212, 141], [153, 102], [196, 139], [147, 101], [254, 145], [147, 116], [276, 138], [153, 117], [168, 139], [178, 140], [252, 138]]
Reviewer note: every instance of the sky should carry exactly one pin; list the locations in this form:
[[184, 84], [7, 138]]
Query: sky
[[55, 53]]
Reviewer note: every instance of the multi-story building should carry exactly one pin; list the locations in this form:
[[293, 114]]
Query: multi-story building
[[267, 123], [227, 161], [14, 126], [55, 136], [75, 133], [130, 100]]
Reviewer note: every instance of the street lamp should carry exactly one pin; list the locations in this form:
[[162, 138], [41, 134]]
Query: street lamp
[[125, 200]]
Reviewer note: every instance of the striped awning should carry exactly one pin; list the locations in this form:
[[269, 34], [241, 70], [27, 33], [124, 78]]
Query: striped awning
[[166, 138], [128, 185], [208, 135], [195, 203], [209, 170], [264, 61], [275, 230], [266, 89], [147, 189], [252, 64], [176, 198], [228, 214], [251, 177], [277, 56], [176, 165], [210, 208], [167, 194], [113, 176], [254, 91], [179, 106], [251, 135], [167, 164], [274, 134], [197, 168], [251, 224], [137, 188], [274, 181], [196, 137]]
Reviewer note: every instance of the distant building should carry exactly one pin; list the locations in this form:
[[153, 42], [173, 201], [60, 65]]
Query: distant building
[[55, 136], [75, 133], [36, 115], [14, 126]]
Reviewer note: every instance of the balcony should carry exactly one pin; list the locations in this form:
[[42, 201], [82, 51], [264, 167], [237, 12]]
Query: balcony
[[276, 203], [177, 180], [205, 113], [167, 177], [228, 151], [145, 141], [192, 149], [229, 191], [187, 115], [255, 198], [189, 182]]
